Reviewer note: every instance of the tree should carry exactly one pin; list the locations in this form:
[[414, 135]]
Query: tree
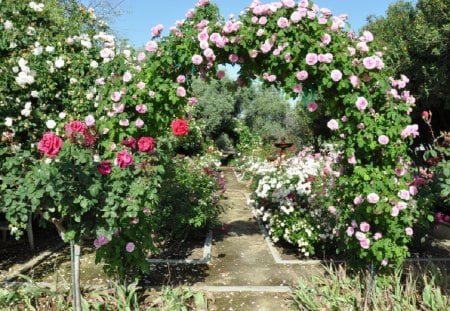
[[417, 43]]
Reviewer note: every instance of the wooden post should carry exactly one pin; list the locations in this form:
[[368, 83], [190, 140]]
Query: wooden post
[[30, 232]]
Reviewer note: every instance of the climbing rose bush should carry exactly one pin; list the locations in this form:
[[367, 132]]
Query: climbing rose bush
[[341, 75]]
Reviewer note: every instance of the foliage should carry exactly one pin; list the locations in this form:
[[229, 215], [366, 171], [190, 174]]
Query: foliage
[[437, 172], [419, 48], [189, 196], [248, 141], [217, 106], [338, 290]]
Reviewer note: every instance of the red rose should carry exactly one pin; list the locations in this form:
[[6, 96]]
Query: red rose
[[180, 127], [129, 142], [146, 144], [124, 159], [50, 144], [105, 167]]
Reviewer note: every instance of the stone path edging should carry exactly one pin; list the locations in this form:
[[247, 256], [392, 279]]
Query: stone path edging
[[206, 258]]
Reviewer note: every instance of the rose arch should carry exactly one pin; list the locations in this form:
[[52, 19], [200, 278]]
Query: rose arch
[[136, 109], [308, 52]]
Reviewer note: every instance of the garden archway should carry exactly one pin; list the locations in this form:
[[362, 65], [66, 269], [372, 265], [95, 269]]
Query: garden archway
[[308, 52]]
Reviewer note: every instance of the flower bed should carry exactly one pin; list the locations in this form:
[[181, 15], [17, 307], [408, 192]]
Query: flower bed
[[290, 198]]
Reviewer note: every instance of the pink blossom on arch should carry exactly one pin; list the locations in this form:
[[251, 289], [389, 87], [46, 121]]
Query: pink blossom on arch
[[181, 92], [326, 39], [302, 75], [297, 88], [197, 59], [409, 231], [288, 57], [364, 226], [350, 231], [141, 108], [365, 243], [410, 130], [203, 35], [233, 58], [181, 79], [288, 3], [140, 85], [354, 81], [369, 62], [352, 160], [296, 16], [139, 123], [116, 96], [253, 53], [130, 247], [383, 140], [311, 59], [358, 200], [394, 211], [266, 46], [377, 236], [157, 30], [373, 198], [283, 22], [368, 36], [404, 194], [333, 125], [220, 74], [140, 57], [151, 46], [336, 75], [361, 103], [303, 3], [312, 106]]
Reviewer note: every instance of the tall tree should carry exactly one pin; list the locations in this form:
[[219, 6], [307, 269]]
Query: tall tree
[[417, 43]]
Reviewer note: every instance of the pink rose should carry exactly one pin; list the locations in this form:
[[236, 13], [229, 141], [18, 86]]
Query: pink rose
[[50, 144], [409, 231], [130, 247], [364, 226], [180, 127], [311, 106], [124, 159], [361, 103], [141, 108], [383, 139], [146, 144], [333, 125], [181, 79], [283, 22], [365, 243], [336, 75], [197, 59], [373, 198], [151, 46], [311, 58], [181, 91], [302, 75]]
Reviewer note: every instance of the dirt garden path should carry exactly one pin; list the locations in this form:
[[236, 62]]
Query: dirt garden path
[[242, 273]]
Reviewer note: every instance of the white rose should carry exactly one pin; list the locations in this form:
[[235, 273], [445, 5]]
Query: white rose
[[94, 64], [34, 94], [49, 49], [59, 62], [50, 124], [8, 25], [25, 112], [62, 115], [8, 122]]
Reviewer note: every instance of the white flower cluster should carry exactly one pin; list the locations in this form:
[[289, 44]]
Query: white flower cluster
[[38, 7], [25, 75]]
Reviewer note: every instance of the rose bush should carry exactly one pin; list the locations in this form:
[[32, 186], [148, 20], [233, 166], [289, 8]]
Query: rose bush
[[290, 200]]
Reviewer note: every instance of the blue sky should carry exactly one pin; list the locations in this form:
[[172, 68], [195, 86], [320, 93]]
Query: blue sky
[[139, 16]]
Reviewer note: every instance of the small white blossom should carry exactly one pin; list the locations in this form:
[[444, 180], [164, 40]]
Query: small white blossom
[[8, 25], [8, 122], [51, 124], [59, 62], [62, 115]]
